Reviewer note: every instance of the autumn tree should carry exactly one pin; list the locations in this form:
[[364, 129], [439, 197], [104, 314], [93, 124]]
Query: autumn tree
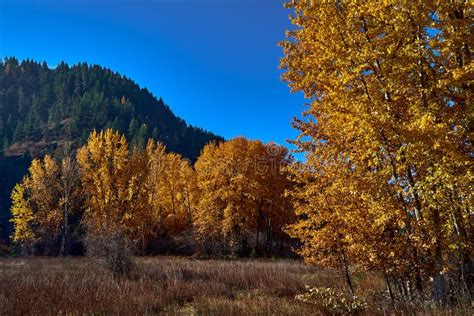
[[146, 194], [22, 219], [274, 208], [388, 136], [167, 193], [242, 195], [234, 202], [42, 203], [71, 203], [103, 163], [44, 197]]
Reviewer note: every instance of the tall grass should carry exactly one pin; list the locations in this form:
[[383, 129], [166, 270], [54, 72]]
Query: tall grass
[[169, 285]]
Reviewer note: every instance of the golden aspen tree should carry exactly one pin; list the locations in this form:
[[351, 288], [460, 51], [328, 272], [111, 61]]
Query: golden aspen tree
[[155, 216], [137, 220], [241, 195], [161, 197], [388, 134], [208, 216], [71, 203], [226, 206], [52, 194], [274, 183], [172, 192], [189, 191], [44, 195], [105, 177], [178, 183], [22, 218]]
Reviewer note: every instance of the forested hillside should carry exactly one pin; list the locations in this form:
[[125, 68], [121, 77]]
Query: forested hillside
[[43, 108]]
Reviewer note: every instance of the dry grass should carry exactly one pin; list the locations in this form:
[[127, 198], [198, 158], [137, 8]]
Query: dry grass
[[167, 285]]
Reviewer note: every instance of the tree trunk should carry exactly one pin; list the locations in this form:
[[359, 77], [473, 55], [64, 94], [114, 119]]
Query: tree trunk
[[418, 280], [439, 282], [62, 251], [465, 262], [347, 275], [389, 287]]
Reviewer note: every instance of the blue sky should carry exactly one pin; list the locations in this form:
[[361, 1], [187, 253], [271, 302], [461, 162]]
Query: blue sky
[[215, 62]]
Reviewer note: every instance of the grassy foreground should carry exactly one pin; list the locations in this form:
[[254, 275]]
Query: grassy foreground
[[169, 285]]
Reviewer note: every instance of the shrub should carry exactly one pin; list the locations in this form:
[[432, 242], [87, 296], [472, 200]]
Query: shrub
[[113, 251], [332, 301]]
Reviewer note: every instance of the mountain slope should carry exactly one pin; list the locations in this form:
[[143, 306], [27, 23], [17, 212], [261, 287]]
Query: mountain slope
[[40, 108]]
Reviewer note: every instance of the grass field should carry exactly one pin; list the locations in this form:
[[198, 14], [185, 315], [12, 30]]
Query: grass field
[[170, 285]]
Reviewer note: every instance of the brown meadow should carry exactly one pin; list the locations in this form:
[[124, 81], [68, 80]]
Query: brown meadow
[[166, 285], [176, 286]]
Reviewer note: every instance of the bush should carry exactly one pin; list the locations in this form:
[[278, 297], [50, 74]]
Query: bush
[[331, 301], [113, 251]]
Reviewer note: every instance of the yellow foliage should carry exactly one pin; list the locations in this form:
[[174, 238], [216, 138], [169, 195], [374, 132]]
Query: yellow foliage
[[103, 165], [242, 185], [22, 217], [388, 132]]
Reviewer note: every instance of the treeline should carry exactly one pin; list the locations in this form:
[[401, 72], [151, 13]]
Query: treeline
[[232, 202], [388, 182], [41, 107]]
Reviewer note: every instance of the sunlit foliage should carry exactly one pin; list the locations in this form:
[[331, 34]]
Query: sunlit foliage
[[388, 135], [242, 198]]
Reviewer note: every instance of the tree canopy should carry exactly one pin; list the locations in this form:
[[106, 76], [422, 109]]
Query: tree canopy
[[388, 135]]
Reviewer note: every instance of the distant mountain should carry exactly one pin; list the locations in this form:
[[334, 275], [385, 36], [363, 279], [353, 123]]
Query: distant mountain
[[41, 108]]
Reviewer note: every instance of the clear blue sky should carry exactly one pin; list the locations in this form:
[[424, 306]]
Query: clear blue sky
[[215, 62]]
